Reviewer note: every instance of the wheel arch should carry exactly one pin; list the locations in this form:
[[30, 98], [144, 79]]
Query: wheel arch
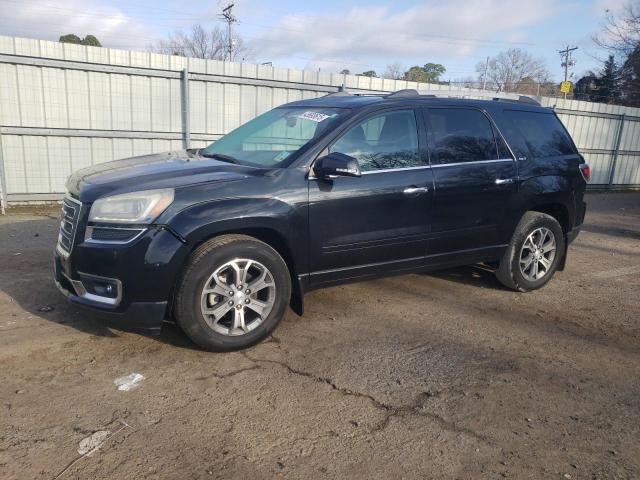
[[270, 220], [557, 210], [270, 236], [560, 212], [552, 195]]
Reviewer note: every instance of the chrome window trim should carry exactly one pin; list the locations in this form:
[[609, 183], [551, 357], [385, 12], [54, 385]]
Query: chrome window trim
[[475, 162], [90, 228], [384, 170]]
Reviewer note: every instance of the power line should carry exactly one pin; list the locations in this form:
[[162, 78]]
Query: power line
[[227, 15], [174, 15], [442, 39]]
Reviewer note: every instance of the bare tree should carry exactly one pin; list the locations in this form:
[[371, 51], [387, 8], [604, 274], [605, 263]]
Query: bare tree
[[620, 37], [620, 31], [394, 71], [509, 69], [200, 43]]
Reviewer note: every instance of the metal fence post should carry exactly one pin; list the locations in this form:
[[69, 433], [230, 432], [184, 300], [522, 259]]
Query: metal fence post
[[186, 126], [3, 182], [614, 160]]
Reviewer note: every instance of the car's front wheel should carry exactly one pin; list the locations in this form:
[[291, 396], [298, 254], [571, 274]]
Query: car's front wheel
[[534, 253], [233, 293]]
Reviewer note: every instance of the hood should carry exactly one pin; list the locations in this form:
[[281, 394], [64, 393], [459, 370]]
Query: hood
[[147, 172]]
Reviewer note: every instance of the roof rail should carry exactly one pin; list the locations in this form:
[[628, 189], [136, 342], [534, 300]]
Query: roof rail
[[407, 92], [477, 94], [347, 93], [339, 93], [471, 94]]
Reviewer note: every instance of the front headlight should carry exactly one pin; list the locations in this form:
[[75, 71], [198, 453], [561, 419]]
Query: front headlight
[[135, 207]]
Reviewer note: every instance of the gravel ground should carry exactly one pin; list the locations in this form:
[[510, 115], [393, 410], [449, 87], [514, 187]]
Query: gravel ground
[[445, 375]]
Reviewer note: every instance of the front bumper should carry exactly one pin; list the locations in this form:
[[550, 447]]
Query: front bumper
[[127, 285]]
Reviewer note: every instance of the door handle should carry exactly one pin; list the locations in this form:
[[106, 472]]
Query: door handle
[[412, 190], [504, 181]]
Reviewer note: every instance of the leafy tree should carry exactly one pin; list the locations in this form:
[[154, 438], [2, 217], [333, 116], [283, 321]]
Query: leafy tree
[[369, 73], [415, 74], [91, 41], [346, 71], [429, 73], [609, 81], [70, 38], [434, 71], [630, 79]]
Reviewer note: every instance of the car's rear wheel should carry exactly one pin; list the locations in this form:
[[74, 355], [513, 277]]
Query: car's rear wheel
[[534, 253], [233, 293]]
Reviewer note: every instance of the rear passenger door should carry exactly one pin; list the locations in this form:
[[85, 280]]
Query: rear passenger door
[[475, 179]]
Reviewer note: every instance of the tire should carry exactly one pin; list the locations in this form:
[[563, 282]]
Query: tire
[[219, 320], [513, 271]]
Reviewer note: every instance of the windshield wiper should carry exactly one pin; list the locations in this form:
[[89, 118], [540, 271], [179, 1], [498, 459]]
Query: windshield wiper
[[219, 156]]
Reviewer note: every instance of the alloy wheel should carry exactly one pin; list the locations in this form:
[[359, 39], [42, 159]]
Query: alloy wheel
[[537, 254], [238, 297]]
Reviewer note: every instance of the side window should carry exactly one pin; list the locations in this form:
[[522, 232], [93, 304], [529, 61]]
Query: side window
[[542, 133], [388, 140], [460, 135]]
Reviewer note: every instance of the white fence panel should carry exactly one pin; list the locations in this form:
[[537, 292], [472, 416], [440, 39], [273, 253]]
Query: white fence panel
[[64, 107]]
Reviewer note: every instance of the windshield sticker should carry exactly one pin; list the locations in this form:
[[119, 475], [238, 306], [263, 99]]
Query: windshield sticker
[[281, 156], [314, 116]]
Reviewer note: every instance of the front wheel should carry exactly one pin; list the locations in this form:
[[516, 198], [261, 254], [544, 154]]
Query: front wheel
[[233, 293], [534, 253]]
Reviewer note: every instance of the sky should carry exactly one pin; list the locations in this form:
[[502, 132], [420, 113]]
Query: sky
[[332, 35]]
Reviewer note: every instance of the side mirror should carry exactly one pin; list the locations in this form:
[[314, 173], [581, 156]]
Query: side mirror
[[336, 164]]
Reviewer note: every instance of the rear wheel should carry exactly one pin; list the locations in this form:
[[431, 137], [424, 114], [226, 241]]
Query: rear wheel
[[534, 253], [233, 293]]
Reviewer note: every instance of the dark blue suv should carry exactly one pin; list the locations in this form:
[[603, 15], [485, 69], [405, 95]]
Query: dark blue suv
[[317, 193]]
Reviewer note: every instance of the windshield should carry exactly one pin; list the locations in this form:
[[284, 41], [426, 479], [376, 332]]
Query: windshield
[[269, 139]]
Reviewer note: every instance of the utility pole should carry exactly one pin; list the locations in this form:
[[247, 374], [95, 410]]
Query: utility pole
[[484, 77], [567, 61], [227, 15]]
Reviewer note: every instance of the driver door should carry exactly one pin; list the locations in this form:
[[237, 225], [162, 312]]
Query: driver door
[[379, 222]]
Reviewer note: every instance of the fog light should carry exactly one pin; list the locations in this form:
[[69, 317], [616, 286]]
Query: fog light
[[100, 286], [103, 288]]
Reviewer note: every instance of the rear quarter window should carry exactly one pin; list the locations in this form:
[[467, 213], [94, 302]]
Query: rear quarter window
[[541, 133]]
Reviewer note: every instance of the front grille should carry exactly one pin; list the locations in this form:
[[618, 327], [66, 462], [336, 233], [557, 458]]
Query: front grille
[[68, 223]]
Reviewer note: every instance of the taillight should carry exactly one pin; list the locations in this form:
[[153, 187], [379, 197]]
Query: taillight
[[586, 171]]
